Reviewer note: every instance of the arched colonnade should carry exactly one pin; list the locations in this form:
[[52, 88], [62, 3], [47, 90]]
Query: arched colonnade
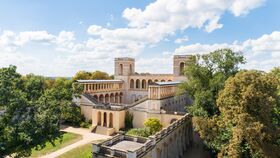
[[109, 97], [105, 119]]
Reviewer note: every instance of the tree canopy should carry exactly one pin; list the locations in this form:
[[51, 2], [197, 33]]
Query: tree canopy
[[246, 106], [235, 113], [206, 77], [32, 110], [97, 75]]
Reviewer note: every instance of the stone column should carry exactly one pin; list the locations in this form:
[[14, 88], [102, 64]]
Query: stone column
[[102, 117], [108, 119]]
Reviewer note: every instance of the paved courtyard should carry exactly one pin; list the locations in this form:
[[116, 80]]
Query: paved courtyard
[[87, 138]]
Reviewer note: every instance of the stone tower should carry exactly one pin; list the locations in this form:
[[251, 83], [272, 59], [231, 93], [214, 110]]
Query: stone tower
[[124, 66], [179, 62]]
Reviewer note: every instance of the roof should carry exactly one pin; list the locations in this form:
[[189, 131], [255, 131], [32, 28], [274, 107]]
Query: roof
[[167, 83], [99, 81]]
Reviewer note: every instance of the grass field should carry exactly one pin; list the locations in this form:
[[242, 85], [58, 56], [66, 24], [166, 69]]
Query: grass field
[[67, 138], [80, 152]]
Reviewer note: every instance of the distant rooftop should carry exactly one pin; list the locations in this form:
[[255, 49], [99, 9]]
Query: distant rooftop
[[99, 81]]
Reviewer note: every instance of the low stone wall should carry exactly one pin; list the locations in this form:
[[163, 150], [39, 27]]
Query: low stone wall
[[170, 142]]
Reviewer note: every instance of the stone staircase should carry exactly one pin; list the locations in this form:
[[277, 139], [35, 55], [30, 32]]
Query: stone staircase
[[103, 130]]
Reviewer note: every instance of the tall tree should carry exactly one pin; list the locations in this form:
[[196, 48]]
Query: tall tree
[[206, 77], [32, 111], [246, 108]]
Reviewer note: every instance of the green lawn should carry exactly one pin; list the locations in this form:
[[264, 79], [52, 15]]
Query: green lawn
[[67, 138], [80, 152]]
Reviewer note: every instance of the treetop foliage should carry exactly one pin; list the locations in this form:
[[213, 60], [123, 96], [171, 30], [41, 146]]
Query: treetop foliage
[[206, 75], [235, 112], [97, 75], [33, 107]]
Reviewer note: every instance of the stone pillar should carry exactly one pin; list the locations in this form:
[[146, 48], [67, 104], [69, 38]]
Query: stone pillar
[[108, 119], [102, 117]]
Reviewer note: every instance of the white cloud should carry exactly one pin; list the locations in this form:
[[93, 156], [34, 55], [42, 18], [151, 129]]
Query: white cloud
[[241, 7], [262, 53], [146, 28], [171, 15], [181, 40]]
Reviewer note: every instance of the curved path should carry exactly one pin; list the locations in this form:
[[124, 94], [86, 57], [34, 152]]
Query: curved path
[[88, 137]]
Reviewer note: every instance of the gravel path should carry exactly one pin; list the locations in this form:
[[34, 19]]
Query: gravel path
[[87, 138]]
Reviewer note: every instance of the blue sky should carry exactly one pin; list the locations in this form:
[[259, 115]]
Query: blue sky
[[59, 38]]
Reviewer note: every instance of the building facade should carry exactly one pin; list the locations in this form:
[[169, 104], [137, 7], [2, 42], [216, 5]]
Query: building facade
[[144, 95]]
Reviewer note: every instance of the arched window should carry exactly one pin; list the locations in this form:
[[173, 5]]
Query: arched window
[[137, 84], [107, 98], [182, 66], [169, 80], [162, 81], [156, 80], [101, 98], [150, 82], [121, 95], [116, 98], [112, 98], [95, 97], [121, 69], [131, 84], [143, 84]]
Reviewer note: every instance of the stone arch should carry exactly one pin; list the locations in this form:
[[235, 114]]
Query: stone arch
[[121, 97], [156, 80], [104, 119], [162, 80], [131, 84], [169, 80], [117, 98], [95, 97], [121, 69], [144, 84], [101, 98], [111, 120], [106, 98], [112, 98], [150, 82], [182, 66], [137, 84], [99, 118]]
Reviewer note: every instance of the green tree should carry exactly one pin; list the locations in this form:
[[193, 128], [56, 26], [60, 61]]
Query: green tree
[[64, 90], [97, 75], [246, 108], [206, 77], [153, 124], [32, 110], [128, 120], [276, 114], [82, 75]]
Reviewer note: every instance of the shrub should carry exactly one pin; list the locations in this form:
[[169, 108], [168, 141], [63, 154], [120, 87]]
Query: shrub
[[153, 124], [141, 132]]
